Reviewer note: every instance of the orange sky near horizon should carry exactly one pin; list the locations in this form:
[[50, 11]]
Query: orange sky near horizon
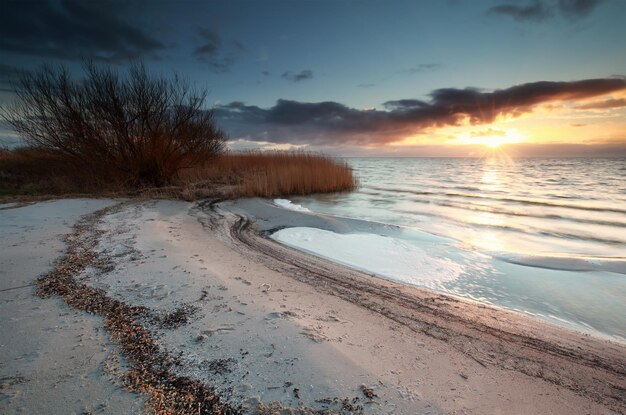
[[569, 122]]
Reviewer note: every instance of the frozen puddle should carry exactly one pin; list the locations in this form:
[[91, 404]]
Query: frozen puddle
[[389, 257]]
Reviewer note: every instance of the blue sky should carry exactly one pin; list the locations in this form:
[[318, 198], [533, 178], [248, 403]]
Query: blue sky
[[360, 54]]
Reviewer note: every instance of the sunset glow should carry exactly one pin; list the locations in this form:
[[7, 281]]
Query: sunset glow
[[491, 138], [528, 81], [313, 207]]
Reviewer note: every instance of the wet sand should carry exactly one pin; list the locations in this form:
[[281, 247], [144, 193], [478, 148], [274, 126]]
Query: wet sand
[[271, 329]]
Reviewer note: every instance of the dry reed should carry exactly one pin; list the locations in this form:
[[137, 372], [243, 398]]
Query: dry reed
[[268, 174], [32, 173]]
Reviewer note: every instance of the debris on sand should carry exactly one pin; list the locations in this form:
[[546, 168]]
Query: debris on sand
[[176, 318], [149, 363], [368, 392], [219, 366]]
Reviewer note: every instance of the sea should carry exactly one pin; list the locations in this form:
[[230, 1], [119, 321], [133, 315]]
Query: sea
[[542, 236]]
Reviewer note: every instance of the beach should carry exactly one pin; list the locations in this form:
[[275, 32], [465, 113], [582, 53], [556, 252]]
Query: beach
[[259, 326]]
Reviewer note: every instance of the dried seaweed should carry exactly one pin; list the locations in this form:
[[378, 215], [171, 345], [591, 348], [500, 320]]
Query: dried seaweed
[[149, 363]]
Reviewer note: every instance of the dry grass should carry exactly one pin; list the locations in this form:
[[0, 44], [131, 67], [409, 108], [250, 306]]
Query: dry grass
[[268, 175], [31, 174]]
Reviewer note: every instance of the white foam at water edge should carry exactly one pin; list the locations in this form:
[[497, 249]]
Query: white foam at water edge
[[286, 204], [385, 256]]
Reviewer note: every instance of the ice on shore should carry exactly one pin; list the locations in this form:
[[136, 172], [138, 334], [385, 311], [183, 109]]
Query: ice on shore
[[564, 263], [286, 204], [389, 257]]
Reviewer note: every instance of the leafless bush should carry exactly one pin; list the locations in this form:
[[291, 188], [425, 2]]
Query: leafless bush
[[135, 128]]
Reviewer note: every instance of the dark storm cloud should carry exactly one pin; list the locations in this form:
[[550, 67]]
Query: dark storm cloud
[[535, 11], [212, 52], [8, 75], [298, 76], [72, 30], [539, 10], [331, 123], [404, 104]]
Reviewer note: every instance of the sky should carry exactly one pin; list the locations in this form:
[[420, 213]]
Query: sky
[[359, 78]]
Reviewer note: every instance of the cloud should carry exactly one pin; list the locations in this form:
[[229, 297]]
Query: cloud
[[9, 75], [210, 47], [539, 10], [299, 76], [404, 104], [424, 67], [560, 150], [214, 54], [535, 11], [73, 30], [577, 9], [332, 123], [238, 45], [600, 105], [488, 132], [616, 149]]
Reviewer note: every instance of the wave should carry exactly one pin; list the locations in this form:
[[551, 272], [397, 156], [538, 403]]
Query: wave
[[617, 265], [527, 230], [505, 212], [505, 199]]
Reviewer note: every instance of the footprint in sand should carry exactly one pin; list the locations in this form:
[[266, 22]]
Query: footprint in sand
[[314, 334]]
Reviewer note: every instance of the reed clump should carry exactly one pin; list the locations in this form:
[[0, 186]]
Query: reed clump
[[34, 173], [267, 174]]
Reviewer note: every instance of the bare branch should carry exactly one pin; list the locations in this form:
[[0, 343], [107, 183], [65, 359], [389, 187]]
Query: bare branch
[[142, 127]]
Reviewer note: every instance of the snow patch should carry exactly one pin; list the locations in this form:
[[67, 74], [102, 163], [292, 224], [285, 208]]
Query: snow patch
[[388, 257], [286, 204]]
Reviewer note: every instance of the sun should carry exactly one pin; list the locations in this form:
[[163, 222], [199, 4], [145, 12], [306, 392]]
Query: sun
[[491, 138], [492, 142]]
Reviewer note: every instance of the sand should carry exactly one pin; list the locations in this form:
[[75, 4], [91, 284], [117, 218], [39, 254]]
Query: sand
[[271, 327], [51, 356]]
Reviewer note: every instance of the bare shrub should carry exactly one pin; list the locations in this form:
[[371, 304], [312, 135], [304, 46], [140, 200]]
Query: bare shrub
[[134, 128]]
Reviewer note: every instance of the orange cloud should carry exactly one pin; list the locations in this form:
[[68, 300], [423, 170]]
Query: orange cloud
[[332, 123], [606, 104]]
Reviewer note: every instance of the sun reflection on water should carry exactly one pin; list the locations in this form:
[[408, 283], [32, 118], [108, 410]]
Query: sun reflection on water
[[493, 179]]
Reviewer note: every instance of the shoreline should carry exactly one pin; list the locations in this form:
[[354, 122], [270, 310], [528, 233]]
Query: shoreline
[[269, 325], [512, 325], [271, 220]]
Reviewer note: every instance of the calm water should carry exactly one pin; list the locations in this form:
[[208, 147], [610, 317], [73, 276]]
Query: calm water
[[542, 236]]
